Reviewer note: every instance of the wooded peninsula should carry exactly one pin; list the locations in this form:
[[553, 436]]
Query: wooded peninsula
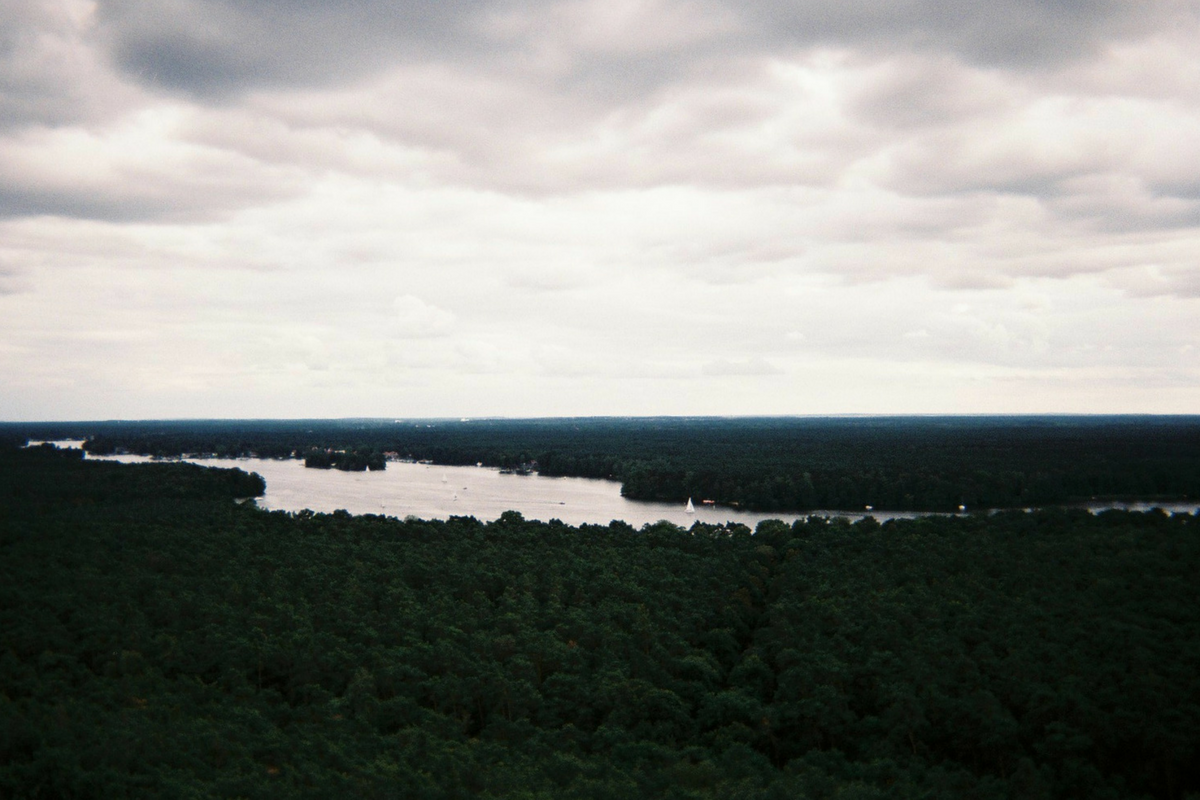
[[159, 639]]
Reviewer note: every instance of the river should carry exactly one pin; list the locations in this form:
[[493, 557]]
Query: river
[[434, 492]]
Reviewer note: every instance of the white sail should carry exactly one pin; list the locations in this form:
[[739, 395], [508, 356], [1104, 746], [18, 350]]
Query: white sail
[[691, 509]]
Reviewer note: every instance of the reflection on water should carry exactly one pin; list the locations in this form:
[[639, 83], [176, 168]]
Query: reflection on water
[[434, 492]]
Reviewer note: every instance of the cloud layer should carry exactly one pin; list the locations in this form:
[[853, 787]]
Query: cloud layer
[[218, 207]]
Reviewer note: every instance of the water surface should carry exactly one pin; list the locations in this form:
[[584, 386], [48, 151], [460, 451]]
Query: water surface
[[434, 492]]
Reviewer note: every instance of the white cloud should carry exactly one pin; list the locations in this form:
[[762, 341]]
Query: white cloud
[[415, 319], [744, 366], [135, 168]]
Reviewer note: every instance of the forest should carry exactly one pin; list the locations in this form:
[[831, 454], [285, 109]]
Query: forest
[[760, 464], [158, 638]]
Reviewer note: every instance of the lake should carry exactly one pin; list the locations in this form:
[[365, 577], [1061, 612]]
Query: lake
[[435, 492]]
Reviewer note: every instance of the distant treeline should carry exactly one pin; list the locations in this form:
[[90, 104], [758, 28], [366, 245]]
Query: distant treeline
[[765, 464], [158, 640]]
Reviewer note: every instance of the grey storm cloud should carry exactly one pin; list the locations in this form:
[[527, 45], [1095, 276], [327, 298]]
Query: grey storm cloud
[[1014, 33], [49, 72], [158, 201], [214, 48], [529, 90], [218, 48], [529, 93]]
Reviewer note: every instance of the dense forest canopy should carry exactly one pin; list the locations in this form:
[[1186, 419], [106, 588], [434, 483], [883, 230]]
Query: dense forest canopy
[[345, 460], [158, 639], [761, 464]]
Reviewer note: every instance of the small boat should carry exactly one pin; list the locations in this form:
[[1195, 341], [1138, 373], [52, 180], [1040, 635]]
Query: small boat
[[690, 509]]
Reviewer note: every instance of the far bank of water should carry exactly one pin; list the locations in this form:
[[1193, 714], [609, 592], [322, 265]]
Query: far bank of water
[[429, 491]]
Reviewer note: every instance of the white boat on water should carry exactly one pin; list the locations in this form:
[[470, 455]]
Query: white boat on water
[[690, 509]]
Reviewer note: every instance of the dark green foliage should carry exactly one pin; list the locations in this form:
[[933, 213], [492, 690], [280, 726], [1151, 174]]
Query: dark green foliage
[[345, 460], [157, 639], [46, 474], [766, 464]]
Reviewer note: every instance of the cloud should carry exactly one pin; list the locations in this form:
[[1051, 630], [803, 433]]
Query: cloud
[[918, 90], [579, 95], [1181, 281], [218, 48], [413, 318], [561, 362], [212, 49], [11, 282], [740, 367], [546, 279], [571, 204], [138, 168], [51, 73]]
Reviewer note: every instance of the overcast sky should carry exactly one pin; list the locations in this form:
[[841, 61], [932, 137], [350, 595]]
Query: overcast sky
[[333, 208]]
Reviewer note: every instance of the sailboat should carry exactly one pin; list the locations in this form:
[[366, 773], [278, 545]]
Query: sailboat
[[690, 509]]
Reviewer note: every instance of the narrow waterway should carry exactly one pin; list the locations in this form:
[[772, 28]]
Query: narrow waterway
[[434, 492]]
